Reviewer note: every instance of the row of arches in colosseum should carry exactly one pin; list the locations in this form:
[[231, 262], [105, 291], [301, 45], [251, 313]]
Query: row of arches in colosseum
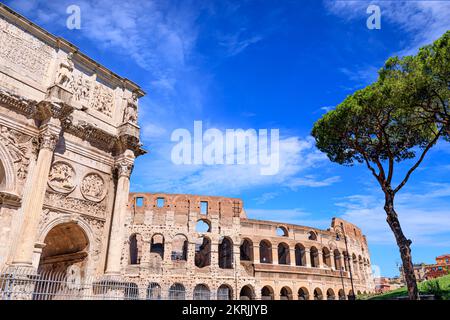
[[177, 291], [336, 259], [203, 250]]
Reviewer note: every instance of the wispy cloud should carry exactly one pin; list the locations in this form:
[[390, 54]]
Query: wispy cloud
[[424, 215], [425, 21]]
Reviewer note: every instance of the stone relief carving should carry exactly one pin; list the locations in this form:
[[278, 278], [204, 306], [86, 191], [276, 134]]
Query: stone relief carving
[[97, 227], [62, 177], [21, 147], [21, 49], [93, 187], [102, 100], [131, 110], [81, 88], [64, 75], [82, 206]]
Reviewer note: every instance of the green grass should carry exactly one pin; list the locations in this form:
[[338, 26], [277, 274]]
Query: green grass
[[425, 287]]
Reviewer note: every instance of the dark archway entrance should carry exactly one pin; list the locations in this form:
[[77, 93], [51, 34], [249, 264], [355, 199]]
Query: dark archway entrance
[[66, 245]]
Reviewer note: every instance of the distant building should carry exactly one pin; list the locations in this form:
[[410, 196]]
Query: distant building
[[385, 284], [441, 268]]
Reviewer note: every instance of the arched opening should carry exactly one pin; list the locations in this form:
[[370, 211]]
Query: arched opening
[[312, 235], [330, 294], [224, 292], [226, 253], [131, 291], [203, 226], [177, 292], [201, 292], [300, 256], [267, 293], [203, 252], [337, 259], [326, 256], [318, 294], [314, 254], [179, 248], [282, 232], [358, 293], [350, 294], [341, 295], [355, 263], [265, 252], [135, 249], [283, 254], [246, 250], [346, 261], [247, 293], [66, 245], [285, 293], [157, 245], [303, 294], [154, 291]]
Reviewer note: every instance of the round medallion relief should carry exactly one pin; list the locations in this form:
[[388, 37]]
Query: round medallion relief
[[93, 187], [62, 177]]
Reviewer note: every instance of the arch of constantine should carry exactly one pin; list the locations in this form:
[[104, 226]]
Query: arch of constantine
[[68, 140]]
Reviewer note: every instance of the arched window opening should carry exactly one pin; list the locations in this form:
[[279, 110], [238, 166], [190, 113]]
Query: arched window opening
[[303, 294], [177, 292], [346, 261], [326, 256], [267, 293], [154, 291], [224, 292], [247, 293], [330, 294], [179, 248], [318, 294], [337, 259], [203, 252], [157, 245], [226, 254], [131, 291], [285, 293], [135, 249], [265, 251], [201, 292], [203, 226], [342, 295], [300, 256], [282, 232], [312, 235], [283, 254], [314, 253], [246, 250]]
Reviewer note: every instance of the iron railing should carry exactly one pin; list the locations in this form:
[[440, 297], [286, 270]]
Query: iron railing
[[27, 284]]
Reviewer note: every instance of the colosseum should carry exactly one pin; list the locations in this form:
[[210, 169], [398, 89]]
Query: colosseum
[[69, 226]]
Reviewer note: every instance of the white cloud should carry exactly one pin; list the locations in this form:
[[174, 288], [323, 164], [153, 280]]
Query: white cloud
[[425, 21], [423, 215]]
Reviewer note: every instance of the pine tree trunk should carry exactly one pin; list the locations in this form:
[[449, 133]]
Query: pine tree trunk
[[403, 245]]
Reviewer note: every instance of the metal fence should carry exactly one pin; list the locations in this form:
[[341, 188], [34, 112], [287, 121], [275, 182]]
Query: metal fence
[[26, 284]]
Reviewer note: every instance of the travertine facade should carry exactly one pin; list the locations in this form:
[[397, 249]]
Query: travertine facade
[[68, 141]]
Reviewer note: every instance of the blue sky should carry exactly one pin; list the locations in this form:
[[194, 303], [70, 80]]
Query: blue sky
[[267, 64]]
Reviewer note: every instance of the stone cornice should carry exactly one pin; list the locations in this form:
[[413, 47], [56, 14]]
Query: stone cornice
[[115, 144]]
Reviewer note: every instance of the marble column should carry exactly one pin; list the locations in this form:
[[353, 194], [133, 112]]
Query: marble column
[[33, 198], [123, 166]]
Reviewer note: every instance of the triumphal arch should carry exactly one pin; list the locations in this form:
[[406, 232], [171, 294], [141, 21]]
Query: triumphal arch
[[68, 141]]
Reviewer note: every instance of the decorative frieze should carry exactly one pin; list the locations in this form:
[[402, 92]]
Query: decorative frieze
[[82, 206], [103, 99]]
